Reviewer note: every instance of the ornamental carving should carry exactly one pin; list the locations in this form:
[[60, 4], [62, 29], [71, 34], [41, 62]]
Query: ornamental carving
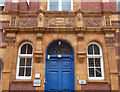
[[10, 41], [38, 59], [81, 59], [93, 22], [59, 22], [28, 22], [110, 41]]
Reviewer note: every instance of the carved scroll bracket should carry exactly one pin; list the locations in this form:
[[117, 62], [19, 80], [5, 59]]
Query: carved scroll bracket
[[81, 57]]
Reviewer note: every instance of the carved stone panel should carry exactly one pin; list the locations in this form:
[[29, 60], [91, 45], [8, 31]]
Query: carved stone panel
[[10, 40], [28, 22], [93, 22], [110, 41], [81, 59], [59, 22]]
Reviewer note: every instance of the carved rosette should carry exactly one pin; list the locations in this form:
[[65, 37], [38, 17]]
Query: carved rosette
[[110, 41], [10, 40]]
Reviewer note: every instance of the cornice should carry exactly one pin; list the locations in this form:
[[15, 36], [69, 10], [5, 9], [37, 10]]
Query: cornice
[[62, 29], [59, 12]]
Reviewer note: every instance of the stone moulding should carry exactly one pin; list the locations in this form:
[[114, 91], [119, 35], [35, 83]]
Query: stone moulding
[[62, 29]]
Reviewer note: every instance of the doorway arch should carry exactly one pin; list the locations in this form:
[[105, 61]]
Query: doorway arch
[[59, 69]]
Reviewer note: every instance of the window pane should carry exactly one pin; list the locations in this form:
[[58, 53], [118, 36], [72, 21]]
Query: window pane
[[98, 72], [91, 72], [28, 72], [96, 49], [22, 61], [28, 63], [21, 71], [97, 62], [54, 5], [90, 49], [29, 49], [23, 49], [66, 5], [91, 62]]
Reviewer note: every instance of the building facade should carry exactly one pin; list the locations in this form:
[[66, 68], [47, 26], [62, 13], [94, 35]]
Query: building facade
[[60, 45]]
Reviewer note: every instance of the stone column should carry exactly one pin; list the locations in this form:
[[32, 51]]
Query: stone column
[[109, 37]]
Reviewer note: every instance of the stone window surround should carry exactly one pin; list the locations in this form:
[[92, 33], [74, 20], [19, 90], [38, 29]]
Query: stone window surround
[[60, 6], [18, 61], [101, 62]]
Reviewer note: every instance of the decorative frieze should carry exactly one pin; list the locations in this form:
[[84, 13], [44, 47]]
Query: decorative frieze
[[28, 22], [59, 22], [93, 21]]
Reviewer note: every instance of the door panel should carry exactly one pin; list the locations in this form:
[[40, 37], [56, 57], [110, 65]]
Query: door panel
[[66, 80], [60, 74], [53, 80]]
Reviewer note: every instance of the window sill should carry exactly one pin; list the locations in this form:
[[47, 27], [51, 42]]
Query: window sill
[[21, 81], [97, 81]]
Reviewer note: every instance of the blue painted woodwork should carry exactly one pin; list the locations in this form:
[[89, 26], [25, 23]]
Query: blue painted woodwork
[[59, 71]]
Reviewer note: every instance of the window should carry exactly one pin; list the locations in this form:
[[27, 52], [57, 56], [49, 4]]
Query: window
[[107, 19], [118, 4], [95, 62], [2, 5], [24, 65], [60, 5]]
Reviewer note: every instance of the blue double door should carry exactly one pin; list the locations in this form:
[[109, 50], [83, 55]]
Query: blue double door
[[60, 73]]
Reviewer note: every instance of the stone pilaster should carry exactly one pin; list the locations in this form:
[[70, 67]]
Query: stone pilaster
[[38, 51], [81, 51], [8, 58], [109, 37]]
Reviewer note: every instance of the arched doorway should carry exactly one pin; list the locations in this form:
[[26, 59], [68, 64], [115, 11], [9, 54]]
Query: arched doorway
[[59, 71]]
